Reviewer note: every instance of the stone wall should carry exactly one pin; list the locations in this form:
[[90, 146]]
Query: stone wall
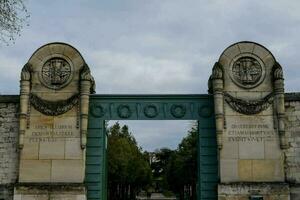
[[292, 124], [9, 108]]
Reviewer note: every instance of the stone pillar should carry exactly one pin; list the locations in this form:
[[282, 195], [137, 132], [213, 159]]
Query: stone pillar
[[54, 98], [248, 91], [217, 87]]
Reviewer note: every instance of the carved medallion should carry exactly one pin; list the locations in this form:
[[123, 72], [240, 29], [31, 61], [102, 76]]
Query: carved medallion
[[178, 110], [205, 111], [247, 72], [124, 111], [150, 111], [56, 73], [97, 110]]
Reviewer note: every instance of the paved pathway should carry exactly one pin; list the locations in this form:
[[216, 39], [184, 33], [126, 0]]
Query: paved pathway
[[156, 196]]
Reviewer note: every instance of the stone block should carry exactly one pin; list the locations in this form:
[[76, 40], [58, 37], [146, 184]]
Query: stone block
[[73, 149], [246, 47], [245, 170], [52, 150], [229, 170], [35, 171], [17, 197], [68, 171], [272, 149], [230, 150], [43, 53], [38, 121], [66, 127], [30, 150], [267, 170], [71, 54], [57, 48], [224, 60], [35, 197], [260, 52], [251, 150], [232, 51]]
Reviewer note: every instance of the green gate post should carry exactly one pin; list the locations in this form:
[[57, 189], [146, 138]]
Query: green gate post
[[151, 107], [96, 160]]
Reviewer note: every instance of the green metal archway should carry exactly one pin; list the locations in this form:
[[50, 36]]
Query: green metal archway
[[151, 107]]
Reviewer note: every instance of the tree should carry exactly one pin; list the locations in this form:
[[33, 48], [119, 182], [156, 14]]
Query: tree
[[128, 168], [181, 170], [13, 17]]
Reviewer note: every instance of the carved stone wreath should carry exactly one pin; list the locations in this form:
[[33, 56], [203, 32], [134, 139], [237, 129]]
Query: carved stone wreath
[[53, 108], [247, 71], [249, 107]]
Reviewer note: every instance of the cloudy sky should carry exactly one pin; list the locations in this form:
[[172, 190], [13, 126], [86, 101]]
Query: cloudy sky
[[155, 46]]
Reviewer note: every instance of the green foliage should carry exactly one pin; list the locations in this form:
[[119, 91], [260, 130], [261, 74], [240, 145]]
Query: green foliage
[[172, 171], [181, 169], [129, 170]]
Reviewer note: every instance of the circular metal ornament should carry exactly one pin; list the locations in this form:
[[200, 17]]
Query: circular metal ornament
[[150, 111], [56, 73], [178, 110], [124, 111], [97, 110], [205, 111], [247, 71]]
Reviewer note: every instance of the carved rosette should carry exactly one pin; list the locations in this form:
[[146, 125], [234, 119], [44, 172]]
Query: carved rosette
[[247, 71], [56, 73]]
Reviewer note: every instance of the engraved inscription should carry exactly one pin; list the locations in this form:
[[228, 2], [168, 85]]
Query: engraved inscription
[[50, 133], [250, 133]]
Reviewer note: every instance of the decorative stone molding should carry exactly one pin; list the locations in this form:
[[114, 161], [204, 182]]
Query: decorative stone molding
[[278, 81], [53, 108], [216, 80], [25, 86], [249, 107]]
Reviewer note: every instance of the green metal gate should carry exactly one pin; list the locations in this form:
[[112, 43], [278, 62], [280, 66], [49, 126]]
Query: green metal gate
[[151, 107]]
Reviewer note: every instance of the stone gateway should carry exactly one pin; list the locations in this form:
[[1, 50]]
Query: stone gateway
[[53, 140]]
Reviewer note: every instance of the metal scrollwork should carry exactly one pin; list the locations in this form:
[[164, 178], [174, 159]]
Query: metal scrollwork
[[124, 111], [97, 110], [53, 108], [178, 110], [249, 107], [150, 111]]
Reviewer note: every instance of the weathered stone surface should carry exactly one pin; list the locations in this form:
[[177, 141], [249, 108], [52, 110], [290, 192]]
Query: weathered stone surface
[[243, 191], [8, 146], [292, 154], [250, 135], [53, 192]]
